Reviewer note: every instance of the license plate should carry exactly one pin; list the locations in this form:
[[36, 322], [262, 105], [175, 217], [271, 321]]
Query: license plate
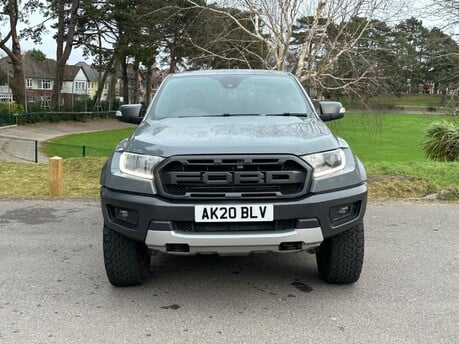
[[234, 213]]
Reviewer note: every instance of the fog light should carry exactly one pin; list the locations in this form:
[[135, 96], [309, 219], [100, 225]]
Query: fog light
[[125, 217], [344, 212], [123, 214]]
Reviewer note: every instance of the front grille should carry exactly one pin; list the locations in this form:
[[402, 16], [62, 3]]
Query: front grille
[[191, 226], [232, 177]]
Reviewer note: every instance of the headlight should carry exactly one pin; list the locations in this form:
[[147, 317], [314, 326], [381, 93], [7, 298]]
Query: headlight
[[326, 162], [139, 165]]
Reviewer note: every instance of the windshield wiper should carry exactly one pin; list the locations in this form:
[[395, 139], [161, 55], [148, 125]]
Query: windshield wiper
[[296, 114], [223, 115], [238, 114]]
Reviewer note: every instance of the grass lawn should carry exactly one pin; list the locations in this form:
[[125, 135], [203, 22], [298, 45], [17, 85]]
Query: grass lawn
[[374, 137], [99, 143], [406, 100], [385, 137], [81, 178]]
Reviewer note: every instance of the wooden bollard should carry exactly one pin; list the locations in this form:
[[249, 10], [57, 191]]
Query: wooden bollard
[[56, 176]]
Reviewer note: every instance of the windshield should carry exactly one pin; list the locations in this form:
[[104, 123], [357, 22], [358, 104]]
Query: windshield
[[230, 95]]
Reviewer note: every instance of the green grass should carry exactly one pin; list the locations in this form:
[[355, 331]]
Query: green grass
[[99, 143], [433, 100], [386, 137], [374, 137], [406, 100]]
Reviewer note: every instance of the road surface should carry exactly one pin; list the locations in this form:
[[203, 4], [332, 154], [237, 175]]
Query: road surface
[[53, 287]]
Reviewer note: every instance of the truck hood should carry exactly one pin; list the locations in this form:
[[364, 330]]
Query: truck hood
[[232, 135]]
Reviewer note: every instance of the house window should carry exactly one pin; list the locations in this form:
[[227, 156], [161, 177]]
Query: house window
[[44, 84], [29, 83], [80, 86]]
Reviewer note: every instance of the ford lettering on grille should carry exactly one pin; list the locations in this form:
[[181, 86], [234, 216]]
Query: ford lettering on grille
[[222, 178]]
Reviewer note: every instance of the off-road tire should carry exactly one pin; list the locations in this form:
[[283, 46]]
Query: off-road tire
[[126, 260], [340, 257]]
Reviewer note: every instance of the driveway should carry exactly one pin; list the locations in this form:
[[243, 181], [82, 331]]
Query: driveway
[[53, 286], [18, 143]]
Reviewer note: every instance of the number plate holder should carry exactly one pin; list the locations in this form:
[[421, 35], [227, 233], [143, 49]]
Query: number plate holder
[[234, 213]]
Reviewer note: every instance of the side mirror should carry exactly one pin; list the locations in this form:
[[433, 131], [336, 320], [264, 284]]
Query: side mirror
[[132, 113], [330, 111]]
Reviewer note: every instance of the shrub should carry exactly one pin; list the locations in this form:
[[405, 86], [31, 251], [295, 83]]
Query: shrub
[[11, 107], [442, 141]]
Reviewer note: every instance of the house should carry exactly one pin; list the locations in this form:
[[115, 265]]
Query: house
[[93, 77], [39, 81], [81, 81]]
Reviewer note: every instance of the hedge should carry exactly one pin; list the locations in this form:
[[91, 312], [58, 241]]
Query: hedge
[[37, 117]]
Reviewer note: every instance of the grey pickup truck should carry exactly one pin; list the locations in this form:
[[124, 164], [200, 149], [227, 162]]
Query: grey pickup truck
[[233, 162]]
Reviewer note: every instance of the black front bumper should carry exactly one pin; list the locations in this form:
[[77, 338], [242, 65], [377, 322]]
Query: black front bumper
[[155, 213]]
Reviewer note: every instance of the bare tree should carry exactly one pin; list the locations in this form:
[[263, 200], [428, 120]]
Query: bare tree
[[315, 49], [448, 10]]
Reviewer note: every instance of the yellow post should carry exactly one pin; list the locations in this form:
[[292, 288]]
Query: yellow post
[[56, 176]]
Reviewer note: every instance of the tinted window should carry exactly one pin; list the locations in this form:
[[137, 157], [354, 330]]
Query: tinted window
[[229, 94]]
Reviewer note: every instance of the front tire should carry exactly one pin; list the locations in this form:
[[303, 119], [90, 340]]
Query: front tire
[[126, 260], [340, 257]]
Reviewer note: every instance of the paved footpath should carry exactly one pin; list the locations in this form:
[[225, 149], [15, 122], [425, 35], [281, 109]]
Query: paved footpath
[[16, 143]]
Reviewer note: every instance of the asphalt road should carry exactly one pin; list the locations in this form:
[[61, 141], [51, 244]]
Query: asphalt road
[[53, 287]]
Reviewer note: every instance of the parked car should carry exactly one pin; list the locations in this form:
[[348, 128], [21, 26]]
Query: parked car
[[233, 162]]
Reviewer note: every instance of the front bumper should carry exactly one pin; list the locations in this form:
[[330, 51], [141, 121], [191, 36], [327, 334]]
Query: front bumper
[[155, 218], [233, 243]]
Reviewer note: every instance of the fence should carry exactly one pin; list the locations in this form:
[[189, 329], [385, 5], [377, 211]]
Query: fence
[[7, 119], [24, 150]]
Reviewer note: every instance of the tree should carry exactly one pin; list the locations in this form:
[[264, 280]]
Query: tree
[[14, 14], [427, 55], [310, 52], [66, 14], [448, 10], [220, 43], [373, 50], [97, 33], [442, 63], [36, 55]]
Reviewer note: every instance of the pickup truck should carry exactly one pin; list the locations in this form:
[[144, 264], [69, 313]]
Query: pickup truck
[[233, 162]]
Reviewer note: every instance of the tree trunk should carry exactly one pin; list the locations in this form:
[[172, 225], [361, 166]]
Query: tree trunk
[[125, 77], [103, 79], [112, 89], [135, 88], [16, 81], [172, 60], [66, 27], [149, 76]]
